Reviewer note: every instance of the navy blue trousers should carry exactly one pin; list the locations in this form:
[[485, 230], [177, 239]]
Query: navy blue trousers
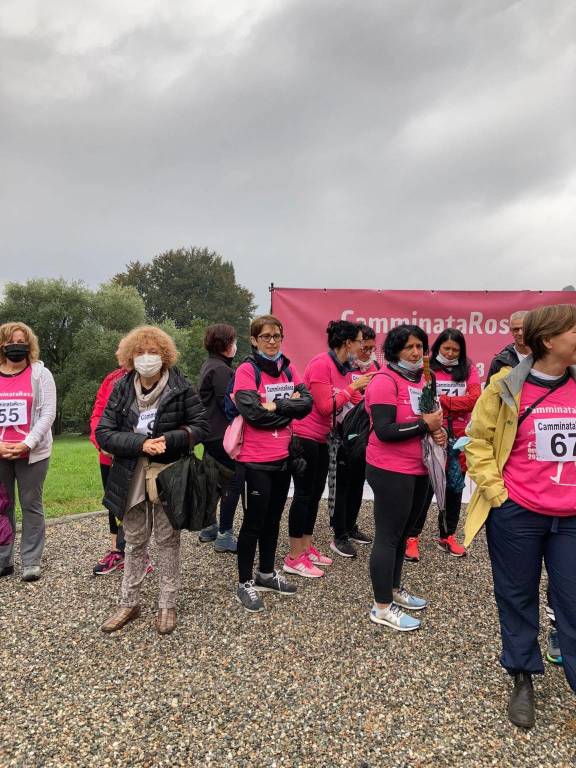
[[518, 541]]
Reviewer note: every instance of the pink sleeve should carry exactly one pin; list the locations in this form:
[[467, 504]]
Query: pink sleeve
[[383, 390], [319, 372], [244, 377]]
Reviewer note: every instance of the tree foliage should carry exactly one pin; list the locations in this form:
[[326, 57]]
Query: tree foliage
[[185, 285], [78, 330]]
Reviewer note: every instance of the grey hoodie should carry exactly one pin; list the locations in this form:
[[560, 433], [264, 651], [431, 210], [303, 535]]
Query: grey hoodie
[[39, 440]]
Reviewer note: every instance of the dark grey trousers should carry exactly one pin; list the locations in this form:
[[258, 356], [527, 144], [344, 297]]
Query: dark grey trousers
[[29, 478]]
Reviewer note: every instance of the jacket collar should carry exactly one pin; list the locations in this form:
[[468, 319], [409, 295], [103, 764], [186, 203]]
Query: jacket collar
[[269, 366], [510, 385], [343, 368]]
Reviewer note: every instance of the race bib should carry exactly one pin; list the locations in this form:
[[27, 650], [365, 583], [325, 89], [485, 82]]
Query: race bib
[[555, 439], [415, 399], [345, 408], [13, 413], [278, 391], [451, 388], [146, 422]]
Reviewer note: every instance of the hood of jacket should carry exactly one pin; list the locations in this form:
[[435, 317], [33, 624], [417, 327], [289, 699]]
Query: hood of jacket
[[511, 383]]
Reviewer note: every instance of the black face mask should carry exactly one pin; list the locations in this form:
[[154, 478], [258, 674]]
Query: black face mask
[[16, 352]]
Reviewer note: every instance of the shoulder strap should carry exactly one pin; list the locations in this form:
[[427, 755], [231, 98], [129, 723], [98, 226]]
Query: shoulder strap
[[257, 373], [530, 408]]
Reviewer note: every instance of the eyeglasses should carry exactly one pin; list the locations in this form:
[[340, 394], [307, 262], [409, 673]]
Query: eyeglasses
[[268, 337]]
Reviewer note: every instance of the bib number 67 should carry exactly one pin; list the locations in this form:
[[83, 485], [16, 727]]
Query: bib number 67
[[561, 442]]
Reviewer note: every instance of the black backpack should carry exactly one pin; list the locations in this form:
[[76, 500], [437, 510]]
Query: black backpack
[[355, 430]]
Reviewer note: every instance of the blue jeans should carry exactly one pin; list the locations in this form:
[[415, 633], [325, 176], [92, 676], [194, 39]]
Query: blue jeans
[[518, 541]]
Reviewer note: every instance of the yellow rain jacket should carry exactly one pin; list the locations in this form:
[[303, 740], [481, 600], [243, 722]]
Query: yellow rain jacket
[[492, 431]]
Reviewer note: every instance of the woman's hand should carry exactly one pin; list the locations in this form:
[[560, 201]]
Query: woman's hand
[[440, 437], [269, 407], [14, 450], [362, 381], [154, 446], [433, 420]]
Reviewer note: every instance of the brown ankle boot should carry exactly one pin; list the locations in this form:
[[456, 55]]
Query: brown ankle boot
[[120, 618], [166, 621]]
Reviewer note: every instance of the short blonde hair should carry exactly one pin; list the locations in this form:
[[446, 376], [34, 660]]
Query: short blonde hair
[[7, 330], [141, 335], [542, 323]]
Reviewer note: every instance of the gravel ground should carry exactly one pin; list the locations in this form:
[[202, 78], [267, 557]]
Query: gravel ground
[[308, 682]]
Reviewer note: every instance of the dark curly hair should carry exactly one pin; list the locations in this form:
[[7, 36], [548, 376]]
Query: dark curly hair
[[396, 340], [341, 331]]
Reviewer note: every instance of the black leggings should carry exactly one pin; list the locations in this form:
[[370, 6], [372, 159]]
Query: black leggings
[[308, 487], [350, 476], [453, 506], [398, 501], [115, 529], [266, 493], [231, 493]]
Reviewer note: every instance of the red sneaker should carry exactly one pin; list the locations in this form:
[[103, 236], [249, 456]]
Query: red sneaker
[[412, 553], [451, 546]]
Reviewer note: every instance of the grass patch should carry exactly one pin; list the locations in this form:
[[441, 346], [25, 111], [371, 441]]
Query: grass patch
[[73, 484]]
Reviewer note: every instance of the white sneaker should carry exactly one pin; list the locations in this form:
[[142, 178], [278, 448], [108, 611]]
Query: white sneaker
[[394, 617]]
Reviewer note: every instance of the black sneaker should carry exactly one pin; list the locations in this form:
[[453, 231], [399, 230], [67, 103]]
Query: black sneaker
[[8, 570], [274, 583], [343, 547], [248, 597], [358, 537]]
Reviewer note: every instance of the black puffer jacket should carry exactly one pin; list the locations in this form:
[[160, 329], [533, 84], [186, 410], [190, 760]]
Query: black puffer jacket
[[180, 418], [214, 378], [506, 358]]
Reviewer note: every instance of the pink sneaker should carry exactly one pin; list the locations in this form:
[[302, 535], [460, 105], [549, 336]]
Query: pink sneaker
[[316, 557], [302, 566], [149, 566]]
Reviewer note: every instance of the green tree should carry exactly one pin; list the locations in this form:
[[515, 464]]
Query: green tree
[[78, 332], [185, 285]]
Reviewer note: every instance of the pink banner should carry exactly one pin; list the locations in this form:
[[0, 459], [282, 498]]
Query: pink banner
[[482, 316]]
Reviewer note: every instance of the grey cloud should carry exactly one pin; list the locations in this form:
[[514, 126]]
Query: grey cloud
[[335, 145]]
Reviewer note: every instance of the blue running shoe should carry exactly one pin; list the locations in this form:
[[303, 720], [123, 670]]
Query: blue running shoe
[[394, 617], [225, 542], [208, 534], [405, 600]]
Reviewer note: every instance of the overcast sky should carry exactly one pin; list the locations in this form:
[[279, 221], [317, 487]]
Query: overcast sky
[[319, 143]]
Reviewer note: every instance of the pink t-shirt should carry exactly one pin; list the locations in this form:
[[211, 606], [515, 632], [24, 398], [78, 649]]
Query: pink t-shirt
[[389, 388], [15, 406], [323, 370], [449, 388], [263, 445], [540, 473]]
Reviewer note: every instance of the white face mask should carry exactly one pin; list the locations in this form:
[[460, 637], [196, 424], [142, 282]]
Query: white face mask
[[445, 361], [148, 365]]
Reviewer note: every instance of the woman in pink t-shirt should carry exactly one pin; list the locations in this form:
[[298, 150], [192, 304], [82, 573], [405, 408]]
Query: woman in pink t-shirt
[[27, 412], [458, 386], [268, 394], [395, 470], [329, 378], [521, 454], [351, 471]]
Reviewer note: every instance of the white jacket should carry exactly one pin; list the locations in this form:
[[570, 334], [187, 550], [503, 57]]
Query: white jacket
[[39, 440]]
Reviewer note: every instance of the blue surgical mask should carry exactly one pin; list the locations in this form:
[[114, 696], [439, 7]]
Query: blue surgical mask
[[445, 362], [273, 358], [408, 366]]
